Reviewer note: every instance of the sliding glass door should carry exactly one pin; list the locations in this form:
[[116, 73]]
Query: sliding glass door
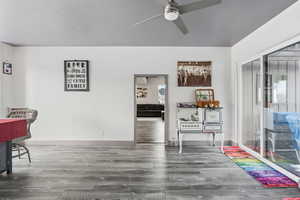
[[281, 108], [251, 105]]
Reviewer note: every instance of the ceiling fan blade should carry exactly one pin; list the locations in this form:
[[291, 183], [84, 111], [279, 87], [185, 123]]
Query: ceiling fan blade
[[148, 19], [197, 5], [180, 24]]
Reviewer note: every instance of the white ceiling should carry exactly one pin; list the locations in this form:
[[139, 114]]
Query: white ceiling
[[109, 22]]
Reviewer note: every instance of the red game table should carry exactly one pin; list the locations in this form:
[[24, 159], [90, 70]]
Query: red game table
[[10, 129]]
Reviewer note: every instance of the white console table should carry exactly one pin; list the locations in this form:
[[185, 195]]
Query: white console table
[[208, 121]]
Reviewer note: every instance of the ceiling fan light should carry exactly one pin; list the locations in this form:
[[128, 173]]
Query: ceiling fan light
[[171, 13]]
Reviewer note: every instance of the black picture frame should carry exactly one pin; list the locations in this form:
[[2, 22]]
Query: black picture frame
[[7, 68], [76, 76]]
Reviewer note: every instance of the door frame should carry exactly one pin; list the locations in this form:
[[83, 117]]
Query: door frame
[[166, 117], [260, 155]]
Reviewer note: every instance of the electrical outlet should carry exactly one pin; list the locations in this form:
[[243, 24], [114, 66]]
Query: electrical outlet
[[101, 132]]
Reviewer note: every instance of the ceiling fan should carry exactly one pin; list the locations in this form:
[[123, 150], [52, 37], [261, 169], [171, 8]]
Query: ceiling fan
[[173, 12]]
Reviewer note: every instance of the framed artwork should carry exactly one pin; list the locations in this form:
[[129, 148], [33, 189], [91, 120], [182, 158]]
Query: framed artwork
[[76, 75], [194, 74], [141, 92], [204, 95], [7, 68]]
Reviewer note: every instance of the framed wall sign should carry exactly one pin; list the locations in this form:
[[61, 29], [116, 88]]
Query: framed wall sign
[[76, 75], [7, 68]]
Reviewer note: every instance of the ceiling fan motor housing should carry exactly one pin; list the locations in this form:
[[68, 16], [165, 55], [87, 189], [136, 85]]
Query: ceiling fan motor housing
[[171, 12]]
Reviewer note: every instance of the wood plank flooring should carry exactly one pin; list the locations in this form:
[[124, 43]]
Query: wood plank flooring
[[150, 130], [91, 171]]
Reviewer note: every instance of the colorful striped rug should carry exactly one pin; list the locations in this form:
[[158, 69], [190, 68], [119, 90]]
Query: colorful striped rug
[[261, 172]]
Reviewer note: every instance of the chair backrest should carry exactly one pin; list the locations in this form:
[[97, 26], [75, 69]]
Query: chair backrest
[[293, 120], [24, 113]]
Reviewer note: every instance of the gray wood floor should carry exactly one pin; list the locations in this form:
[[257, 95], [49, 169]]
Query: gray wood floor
[[91, 171], [150, 130]]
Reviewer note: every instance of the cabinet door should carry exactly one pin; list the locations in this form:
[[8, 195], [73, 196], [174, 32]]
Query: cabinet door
[[212, 116]]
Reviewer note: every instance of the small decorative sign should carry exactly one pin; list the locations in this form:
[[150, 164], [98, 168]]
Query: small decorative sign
[[7, 68], [76, 75]]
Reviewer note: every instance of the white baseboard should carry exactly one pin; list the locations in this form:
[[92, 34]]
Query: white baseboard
[[80, 142]]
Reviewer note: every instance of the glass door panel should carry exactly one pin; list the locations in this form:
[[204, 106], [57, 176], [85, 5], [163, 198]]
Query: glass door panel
[[251, 105], [281, 108]]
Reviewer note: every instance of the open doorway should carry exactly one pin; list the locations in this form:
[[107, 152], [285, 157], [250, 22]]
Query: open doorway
[[151, 108]]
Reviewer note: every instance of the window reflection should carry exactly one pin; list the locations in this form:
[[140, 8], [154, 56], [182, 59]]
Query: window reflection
[[252, 103], [281, 108]]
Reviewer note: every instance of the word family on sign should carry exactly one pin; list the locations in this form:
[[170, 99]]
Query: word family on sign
[[76, 75]]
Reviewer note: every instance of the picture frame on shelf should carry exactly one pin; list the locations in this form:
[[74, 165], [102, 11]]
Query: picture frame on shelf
[[204, 95]]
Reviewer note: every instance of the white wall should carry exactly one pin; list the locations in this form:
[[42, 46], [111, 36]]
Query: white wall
[[6, 81], [106, 112], [278, 32], [152, 90]]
